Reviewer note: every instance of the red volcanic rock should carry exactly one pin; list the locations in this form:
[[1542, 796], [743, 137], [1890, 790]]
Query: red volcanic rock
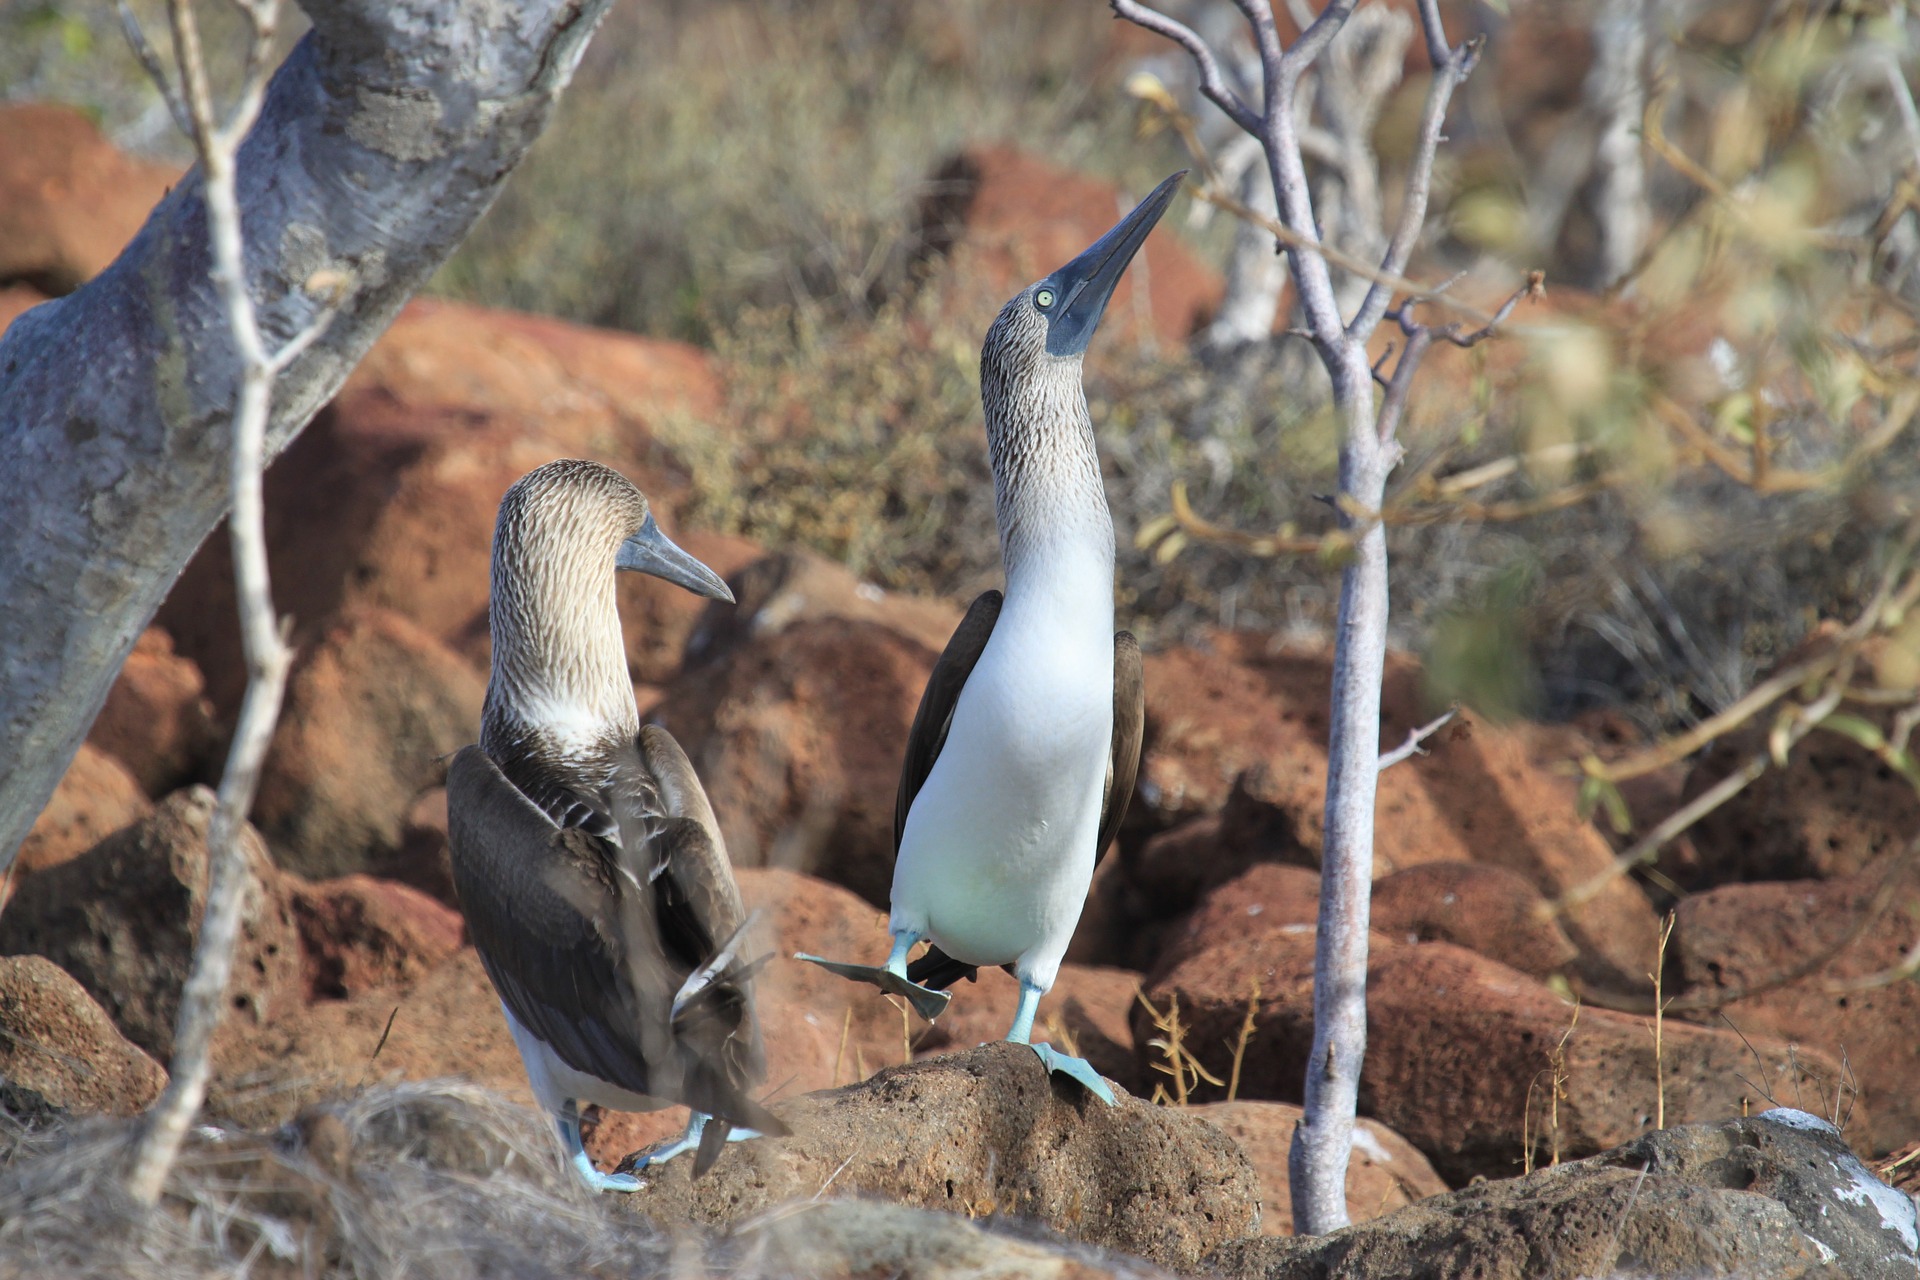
[[1386, 1172], [1747, 936], [782, 588], [95, 798], [1262, 899], [16, 300], [157, 720], [69, 200], [1002, 218], [1831, 813], [422, 860], [123, 919], [358, 933], [798, 739], [1214, 714], [1462, 1052], [1488, 910], [389, 496], [371, 712], [57, 1041]]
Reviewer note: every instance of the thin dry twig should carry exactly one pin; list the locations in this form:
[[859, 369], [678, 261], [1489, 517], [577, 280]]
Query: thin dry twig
[[267, 656], [1415, 737]]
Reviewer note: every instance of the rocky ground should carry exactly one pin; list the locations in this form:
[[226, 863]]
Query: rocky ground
[[1512, 1084]]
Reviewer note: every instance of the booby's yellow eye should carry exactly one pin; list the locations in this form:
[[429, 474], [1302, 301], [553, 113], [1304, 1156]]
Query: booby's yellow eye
[[1044, 297]]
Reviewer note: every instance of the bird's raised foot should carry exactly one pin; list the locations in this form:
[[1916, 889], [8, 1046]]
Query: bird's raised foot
[[928, 1003], [1078, 1068]]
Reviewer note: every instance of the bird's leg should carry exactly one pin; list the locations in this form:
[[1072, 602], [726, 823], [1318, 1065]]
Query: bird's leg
[[688, 1141], [892, 977], [1078, 1068], [569, 1122]]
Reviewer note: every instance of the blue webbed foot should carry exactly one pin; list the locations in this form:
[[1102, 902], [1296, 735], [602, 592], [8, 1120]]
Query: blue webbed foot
[[928, 1003], [1078, 1068], [569, 1124], [688, 1141]]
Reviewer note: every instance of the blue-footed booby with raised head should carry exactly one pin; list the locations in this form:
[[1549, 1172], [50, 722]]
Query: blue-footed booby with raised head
[[1022, 756], [593, 877]]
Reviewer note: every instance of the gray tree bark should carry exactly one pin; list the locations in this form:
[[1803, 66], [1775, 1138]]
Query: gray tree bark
[[385, 135]]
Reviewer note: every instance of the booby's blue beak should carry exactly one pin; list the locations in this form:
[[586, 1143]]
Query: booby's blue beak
[[1075, 297], [651, 551]]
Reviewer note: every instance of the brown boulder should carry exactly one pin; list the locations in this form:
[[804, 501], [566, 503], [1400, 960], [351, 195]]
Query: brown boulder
[[1831, 813], [389, 497], [1774, 1196], [1214, 714], [96, 797], [358, 933], [1488, 910], [157, 720], [124, 917], [780, 589], [423, 861], [1462, 1052], [15, 301], [371, 710], [69, 200], [447, 1023], [988, 1131], [1749, 936], [1002, 218], [1265, 898], [1385, 1172], [657, 618], [56, 1040], [798, 739]]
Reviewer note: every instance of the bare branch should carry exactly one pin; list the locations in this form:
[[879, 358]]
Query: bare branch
[[1448, 74], [1438, 51], [1212, 82], [1412, 747], [203, 998], [150, 62]]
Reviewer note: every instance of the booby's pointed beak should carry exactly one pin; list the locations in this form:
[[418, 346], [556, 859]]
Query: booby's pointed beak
[[651, 551], [1080, 289]]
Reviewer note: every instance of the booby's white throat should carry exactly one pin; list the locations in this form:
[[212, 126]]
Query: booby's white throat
[[592, 874], [1023, 754]]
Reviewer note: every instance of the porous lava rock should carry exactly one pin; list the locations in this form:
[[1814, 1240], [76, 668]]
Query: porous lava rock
[[1772, 1196], [69, 199], [123, 919], [798, 739], [157, 720], [1216, 711], [999, 218], [989, 1132], [388, 498], [1385, 1172], [1463, 1053], [1490, 910], [95, 797], [359, 933], [1266, 897], [372, 711], [1839, 942], [57, 1041]]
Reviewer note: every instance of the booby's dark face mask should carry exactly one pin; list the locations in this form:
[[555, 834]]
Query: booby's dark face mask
[[651, 551], [1075, 297]]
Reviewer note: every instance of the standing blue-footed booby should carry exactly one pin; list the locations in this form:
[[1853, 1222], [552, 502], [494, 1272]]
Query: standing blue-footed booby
[[1023, 753], [593, 877]]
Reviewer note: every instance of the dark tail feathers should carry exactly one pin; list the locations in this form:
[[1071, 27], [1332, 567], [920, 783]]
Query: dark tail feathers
[[937, 970]]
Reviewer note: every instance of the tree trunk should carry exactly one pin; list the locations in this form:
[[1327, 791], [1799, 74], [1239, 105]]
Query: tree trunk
[[385, 135]]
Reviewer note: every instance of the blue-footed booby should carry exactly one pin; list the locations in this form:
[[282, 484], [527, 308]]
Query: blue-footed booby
[[593, 877], [1022, 756]]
